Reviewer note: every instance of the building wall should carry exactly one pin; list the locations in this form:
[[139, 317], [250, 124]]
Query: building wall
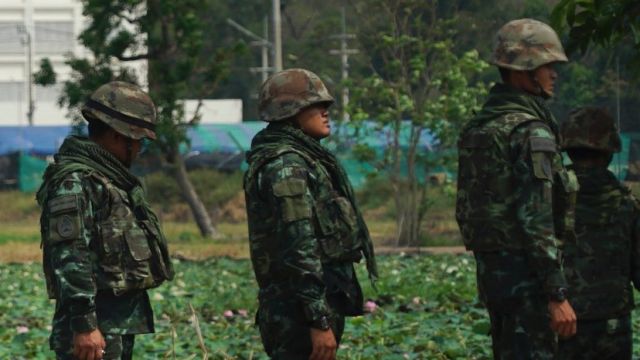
[[54, 26]]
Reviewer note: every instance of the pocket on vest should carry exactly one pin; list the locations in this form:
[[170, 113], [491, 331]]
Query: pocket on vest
[[338, 226], [125, 256]]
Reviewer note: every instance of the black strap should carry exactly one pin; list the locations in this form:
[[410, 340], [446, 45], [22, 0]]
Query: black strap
[[92, 104]]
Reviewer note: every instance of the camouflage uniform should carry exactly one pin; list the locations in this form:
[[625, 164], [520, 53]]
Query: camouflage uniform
[[102, 244], [305, 230], [604, 258], [514, 199]]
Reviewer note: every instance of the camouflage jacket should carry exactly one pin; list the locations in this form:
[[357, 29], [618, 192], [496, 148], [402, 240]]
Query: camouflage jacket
[[514, 197], [305, 231], [605, 257], [98, 254]]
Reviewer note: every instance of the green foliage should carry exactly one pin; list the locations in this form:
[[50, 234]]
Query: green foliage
[[428, 309], [45, 75], [604, 23], [579, 87], [420, 84]]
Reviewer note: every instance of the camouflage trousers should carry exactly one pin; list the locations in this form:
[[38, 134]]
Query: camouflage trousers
[[119, 347], [599, 340], [520, 330], [284, 331]]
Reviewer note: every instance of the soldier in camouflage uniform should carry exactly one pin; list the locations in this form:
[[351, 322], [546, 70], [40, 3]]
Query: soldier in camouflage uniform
[[102, 244], [305, 230], [514, 197], [604, 259]]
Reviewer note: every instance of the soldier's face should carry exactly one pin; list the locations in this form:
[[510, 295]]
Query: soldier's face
[[546, 76], [314, 121]]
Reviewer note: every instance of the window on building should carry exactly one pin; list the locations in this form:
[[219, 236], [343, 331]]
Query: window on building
[[54, 37], [48, 93], [12, 91], [11, 38]]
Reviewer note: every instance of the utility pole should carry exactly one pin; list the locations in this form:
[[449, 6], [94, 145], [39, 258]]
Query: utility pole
[[27, 29], [262, 42], [344, 53], [264, 45], [28, 41], [277, 36]]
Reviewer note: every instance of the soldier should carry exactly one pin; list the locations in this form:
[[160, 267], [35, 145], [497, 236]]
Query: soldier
[[102, 243], [305, 230], [513, 201], [603, 261]]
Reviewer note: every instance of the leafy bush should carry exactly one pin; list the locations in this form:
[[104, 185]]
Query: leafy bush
[[426, 310]]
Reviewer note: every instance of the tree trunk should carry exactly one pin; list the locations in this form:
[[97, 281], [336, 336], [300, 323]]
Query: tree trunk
[[189, 193], [408, 197]]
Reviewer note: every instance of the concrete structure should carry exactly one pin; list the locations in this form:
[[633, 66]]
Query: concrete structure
[[35, 29], [219, 111], [31, 30]]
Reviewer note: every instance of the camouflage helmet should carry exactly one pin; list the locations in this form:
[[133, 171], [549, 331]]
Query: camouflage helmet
[[526, 44], [125, 108], [591, 128], [287, 92]]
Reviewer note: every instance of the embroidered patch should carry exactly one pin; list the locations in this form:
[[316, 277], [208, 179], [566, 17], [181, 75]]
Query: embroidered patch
[[65, 227]]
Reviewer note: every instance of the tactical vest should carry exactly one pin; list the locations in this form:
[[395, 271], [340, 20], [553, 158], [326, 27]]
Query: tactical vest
[[597, 264], [131, 252], [486, 203], [334, 218]]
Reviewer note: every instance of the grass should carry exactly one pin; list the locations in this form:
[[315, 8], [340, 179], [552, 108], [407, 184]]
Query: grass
[[222, 195]]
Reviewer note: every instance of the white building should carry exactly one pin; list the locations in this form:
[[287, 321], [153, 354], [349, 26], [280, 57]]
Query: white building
[[40, 28], [37, 29]]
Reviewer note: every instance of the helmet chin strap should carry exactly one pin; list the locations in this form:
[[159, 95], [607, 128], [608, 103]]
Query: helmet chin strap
[[129, 154], [540, 91]]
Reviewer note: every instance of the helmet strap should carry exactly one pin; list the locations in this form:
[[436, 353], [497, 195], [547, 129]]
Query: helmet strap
[[539, 89], [129, 153]]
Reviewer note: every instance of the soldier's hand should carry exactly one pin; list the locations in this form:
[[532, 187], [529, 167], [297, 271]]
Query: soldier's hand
[[563, 318], [324, 345], [89, 345]]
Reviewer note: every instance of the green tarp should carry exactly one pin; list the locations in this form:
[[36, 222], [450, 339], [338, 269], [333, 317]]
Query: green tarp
[[30, 170]]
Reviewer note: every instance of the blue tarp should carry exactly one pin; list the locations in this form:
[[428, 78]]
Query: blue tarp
[[37, 140], [45, 140], [206, 138]]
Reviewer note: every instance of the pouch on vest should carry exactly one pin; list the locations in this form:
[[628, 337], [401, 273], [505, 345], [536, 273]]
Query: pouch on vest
[[338, 225], [125, 256]]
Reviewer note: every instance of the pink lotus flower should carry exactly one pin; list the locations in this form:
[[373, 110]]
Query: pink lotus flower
[[370, 306], [22, 329], [228, 314]]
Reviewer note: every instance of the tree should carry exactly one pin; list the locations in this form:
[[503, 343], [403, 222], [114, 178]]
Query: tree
[[418, 85], [599, 22], [171, 36]]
